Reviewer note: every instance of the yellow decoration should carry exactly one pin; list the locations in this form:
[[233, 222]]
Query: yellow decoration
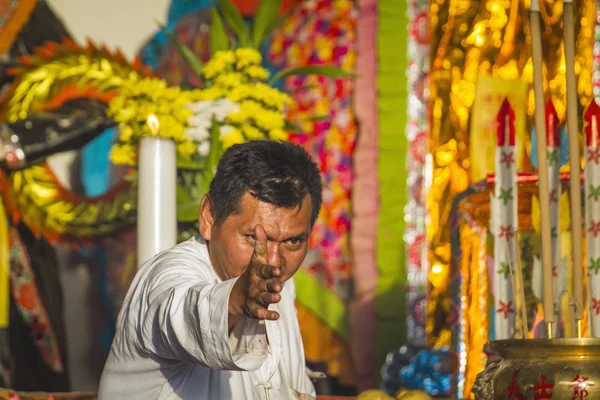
[[150, 98], [491, 92], [412, 395], [239, 76], [35, 195], [474, 289], [374, 394], [236, 75], [330, 349], [233, 137], [123, 154], [468, 43]]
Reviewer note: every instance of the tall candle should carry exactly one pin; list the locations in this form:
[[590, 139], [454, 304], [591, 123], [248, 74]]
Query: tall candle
[[504, 223], [157, 206], [574, 163], [592, 210], [544, 193]]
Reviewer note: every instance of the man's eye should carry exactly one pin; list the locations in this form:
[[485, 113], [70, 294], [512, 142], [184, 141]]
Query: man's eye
[[252, 237], [294, 241]]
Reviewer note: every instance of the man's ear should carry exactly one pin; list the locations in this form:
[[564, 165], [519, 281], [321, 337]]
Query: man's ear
[[206, 218]]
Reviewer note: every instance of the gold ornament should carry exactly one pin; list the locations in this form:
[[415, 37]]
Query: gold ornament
[[412, 395], [54, 74], [374, 394]]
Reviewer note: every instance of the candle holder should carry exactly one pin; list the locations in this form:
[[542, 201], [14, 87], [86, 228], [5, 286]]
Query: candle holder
[[540, 369]]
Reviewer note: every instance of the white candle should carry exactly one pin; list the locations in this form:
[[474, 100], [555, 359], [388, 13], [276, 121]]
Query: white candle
[[157, 208]]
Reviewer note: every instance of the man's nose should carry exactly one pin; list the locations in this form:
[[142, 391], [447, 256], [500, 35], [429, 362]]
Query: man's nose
[[274, 254]]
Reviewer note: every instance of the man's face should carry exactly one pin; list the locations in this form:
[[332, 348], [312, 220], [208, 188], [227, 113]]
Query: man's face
[[231, 243]]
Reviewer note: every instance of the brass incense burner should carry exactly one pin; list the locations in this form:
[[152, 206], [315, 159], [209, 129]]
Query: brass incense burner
[[534, 369]]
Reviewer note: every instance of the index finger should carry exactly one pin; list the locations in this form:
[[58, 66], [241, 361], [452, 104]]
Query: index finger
[[260, 244], [266, 271]]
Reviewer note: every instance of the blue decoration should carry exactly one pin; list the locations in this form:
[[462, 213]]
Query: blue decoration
[[180, 8], [415, 368], [95, 167]]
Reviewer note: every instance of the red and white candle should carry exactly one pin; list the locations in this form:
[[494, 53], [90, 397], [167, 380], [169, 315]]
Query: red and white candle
[[504, 222], [592, 210]]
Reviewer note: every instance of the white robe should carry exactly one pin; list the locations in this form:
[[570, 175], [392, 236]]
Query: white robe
[[172, 339]]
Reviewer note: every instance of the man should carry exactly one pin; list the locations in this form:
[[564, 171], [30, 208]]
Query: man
[[213, 317]]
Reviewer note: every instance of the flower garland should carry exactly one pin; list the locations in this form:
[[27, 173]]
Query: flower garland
[[236, 98]]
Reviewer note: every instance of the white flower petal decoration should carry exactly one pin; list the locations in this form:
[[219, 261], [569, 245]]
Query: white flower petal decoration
[[204, 114], [200, 121], [204, 148], [198, 134], [199, 106], [225, 130]]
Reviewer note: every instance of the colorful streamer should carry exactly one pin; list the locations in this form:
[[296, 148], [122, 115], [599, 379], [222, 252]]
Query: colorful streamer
[[416, 134], [324, 32], [470, 287], [29, 303]]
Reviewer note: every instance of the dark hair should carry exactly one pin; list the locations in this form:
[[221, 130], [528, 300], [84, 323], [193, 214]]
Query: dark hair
[[278, 173]]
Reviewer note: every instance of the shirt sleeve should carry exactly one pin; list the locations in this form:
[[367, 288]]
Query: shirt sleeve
[[186, 319]]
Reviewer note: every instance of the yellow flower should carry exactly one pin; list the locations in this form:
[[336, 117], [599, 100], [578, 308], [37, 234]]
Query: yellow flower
[[186, 149], [220, 62], [125, 133], [238, 93], [233, 137], [169, 126], [247, 56], [237, 117], [278, 134], [229, 79], [211, 93], [250, 107], [182, 113], [124, 114], [252, 133], [270, 96], [225, 56], [257, 72], [268, 120], [122, 154]]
